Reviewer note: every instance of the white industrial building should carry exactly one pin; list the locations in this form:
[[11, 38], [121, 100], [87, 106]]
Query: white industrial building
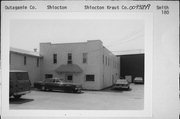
[[88, 63], [27, 61]]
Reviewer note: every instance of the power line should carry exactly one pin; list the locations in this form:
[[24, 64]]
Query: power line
[[127, 40]]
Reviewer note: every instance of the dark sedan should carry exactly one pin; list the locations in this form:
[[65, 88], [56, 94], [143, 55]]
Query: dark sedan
[[57, 84]]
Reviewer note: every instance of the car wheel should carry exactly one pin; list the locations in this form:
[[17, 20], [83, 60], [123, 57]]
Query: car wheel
[[79, 91], [43, 88], [74, 91], [17, 96]]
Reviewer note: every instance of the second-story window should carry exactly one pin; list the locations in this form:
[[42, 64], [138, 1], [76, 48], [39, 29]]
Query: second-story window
[[85, 57], [106, 60], [38, 62], [69, 61], [55, 58], [25, 60], [103, 59]]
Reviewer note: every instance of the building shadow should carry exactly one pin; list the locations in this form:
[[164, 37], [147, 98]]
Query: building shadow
[[121, 89], [62, 91], [117, 90], [19, 101]]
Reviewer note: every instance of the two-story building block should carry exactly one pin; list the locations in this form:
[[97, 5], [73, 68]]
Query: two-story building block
[[88, 63], [26, 60]]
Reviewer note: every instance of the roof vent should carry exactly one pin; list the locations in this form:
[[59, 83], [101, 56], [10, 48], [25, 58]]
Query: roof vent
[[35, 49]]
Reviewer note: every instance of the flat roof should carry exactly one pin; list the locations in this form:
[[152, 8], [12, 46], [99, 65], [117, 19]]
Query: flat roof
[[25, 52], [17, 71], [66, 43], [129, 52]]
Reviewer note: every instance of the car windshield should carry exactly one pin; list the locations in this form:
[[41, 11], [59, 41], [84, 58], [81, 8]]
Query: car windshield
[[56, 80], [138, 78], [121, 80], [48, 80]]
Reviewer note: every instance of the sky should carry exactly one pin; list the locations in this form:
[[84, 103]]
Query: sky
[[116, 35]]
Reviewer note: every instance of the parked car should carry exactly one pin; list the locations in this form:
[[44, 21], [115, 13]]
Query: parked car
[[122, 83], [19, 83], [57, 84], [138, 80]]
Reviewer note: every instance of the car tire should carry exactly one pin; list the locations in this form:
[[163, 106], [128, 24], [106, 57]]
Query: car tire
[[79, 91], [17, 96], [74, 91], [43, 88]]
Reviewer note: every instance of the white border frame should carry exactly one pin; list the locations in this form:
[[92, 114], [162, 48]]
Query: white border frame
[[5, 30]]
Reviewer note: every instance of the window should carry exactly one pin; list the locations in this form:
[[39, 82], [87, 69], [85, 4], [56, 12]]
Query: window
[[69, 77], [109, 61], [84, 57], [54, 58], [89, 77], [106, 60], [69, 58], [48, 76], [103, 59], [113, 63], [37, 62], [25, 60]]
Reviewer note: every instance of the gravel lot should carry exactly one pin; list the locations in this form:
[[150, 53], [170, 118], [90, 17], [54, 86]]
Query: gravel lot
[[108, 99]]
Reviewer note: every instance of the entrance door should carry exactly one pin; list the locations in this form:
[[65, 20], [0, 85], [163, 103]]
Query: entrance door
[[70, 77]]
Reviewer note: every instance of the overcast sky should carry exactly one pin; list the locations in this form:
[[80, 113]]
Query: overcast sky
[[116, 35]]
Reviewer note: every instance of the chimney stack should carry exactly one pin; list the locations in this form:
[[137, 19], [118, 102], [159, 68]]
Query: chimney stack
[[35, 49]]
